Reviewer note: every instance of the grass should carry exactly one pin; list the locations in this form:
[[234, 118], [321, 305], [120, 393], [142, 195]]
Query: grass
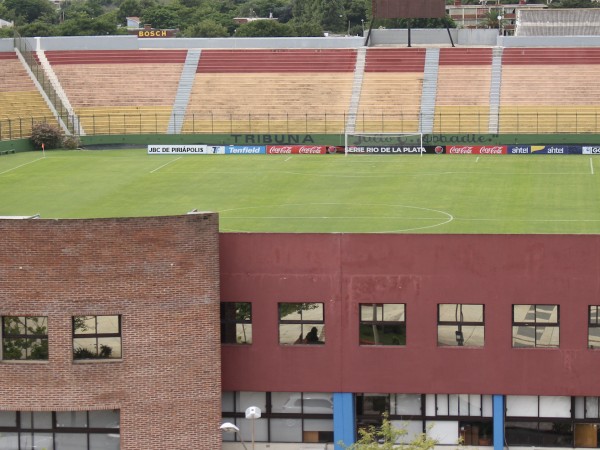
[[313, 193]]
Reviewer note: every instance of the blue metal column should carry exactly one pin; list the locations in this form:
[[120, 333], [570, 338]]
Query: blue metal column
[[498, 401], [344, 419]]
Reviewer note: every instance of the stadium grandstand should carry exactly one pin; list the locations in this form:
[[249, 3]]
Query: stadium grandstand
[[488, 83], [166, 333]]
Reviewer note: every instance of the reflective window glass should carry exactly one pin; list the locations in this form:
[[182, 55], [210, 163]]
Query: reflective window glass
[[408, 404], [105, 441], [71, 419], [9, 441], [317, 403], [382, 324], [104, 419], [71, 441], [8, 419], [539, 434], [461, 336], [594, 327], [236, 323], [286, 430], [461, 325], [535, 326], [246, 399], [301, 323], [227, 401], [97, 337], [43, 441], [24, 338]]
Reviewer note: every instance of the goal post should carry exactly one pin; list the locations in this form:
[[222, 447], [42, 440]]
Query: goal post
[[383, 143]]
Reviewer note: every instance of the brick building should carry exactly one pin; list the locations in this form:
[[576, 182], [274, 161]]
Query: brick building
[[145, 288], [110, 336]]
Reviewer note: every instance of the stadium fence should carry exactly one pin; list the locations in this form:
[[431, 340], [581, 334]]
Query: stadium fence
[[201, 123]]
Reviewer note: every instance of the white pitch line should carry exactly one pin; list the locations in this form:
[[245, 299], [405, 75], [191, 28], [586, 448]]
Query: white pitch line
[[287, 159], [591, 165], [527, 220], [158, 168], [14, 168], [477, 160]]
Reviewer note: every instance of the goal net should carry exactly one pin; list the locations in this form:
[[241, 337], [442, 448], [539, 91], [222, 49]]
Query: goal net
[[383, 143]]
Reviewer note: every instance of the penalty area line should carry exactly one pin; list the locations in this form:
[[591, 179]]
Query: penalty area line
[[158, 168], [591, 166], [15, 168]]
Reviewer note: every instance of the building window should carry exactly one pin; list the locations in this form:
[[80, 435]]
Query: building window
[[285, 416], [382, 324], [24, 338], [236, 323], [594, 327], [539, 421], [535, 326], [461, 325], [83, 430], [96, 337], [301, 323]]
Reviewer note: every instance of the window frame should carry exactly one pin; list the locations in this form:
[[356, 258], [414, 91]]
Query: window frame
[[21, 429], [459, 324], [535, 324], [593, 324], [308, 323], [27, 337], [97, 336], [225, 321], [237, 416], [381, 322]]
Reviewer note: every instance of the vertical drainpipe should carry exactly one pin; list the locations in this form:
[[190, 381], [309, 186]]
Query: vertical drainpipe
[[344, 419], [498, 408]]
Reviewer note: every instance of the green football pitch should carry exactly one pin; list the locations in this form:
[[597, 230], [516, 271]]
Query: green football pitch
[[313, 193]]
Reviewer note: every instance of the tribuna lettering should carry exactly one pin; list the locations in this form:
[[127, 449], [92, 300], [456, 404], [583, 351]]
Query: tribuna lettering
[[273, 138]]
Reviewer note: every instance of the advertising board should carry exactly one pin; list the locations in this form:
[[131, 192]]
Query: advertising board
[[590, 150], [245, 150], [186, 150], [297, 149], [476, 149]]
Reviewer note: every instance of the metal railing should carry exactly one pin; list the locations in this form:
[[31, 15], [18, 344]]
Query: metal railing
[[325, 123], [30, 57]]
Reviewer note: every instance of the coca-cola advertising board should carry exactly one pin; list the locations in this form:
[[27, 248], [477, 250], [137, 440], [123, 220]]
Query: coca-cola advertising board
[[476, 149], [297, 149]]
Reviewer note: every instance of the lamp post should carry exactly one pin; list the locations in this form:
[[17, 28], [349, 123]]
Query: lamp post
[[228, 427], [500, 25], [362, 22], [253, 413]]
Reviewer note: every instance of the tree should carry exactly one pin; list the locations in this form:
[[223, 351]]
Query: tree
[[264, 28], [307, 29], [388, 437], [37, 28], [333, 15], [161, 16], [129, 8], [27, 11], [207, 28], [7, 32]]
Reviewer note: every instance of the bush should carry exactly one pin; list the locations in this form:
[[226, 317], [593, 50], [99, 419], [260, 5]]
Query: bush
[[71, 142], [45, 133]]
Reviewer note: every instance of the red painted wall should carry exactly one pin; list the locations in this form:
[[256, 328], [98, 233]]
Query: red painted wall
[[343, 270]]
